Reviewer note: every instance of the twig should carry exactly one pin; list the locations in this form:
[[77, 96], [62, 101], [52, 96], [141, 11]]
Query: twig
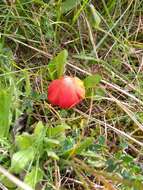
[[3, 187]]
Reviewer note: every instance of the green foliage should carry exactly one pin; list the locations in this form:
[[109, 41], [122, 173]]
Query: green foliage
[[5, 181], [24, 141], [57, 131], [5, 105], [29, 146], [6, 60], [46, 141], [94, 16], [39, 130], [52, 155], [79, 147], [33, 177], [103, 37], [21, 159], [69, 5], [28, 85], [56, 66], [92, 81]]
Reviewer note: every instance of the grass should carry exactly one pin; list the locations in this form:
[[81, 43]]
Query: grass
[[97, 144]]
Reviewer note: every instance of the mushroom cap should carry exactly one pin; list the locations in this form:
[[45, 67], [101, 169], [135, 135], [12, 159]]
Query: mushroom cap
[[66, 92]]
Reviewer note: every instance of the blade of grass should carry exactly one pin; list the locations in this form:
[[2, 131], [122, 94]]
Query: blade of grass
[[5, 105]]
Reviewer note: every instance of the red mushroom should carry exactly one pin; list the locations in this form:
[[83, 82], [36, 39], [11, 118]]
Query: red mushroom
[[66, 92]]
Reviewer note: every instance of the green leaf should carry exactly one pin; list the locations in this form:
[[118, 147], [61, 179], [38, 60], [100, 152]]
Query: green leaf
[[127, 159], [101, 140], [60, 62], [21, 159], [111, 165], [69, 5], [35, 176], [24, 141], [79, 147], [50, 143], [85, 144], [56, 131], [5, 105], [52, 70], [57, 65], [94, 16], [39, 134], [39, 129], [92, 81], [52, 155], [99, 92]]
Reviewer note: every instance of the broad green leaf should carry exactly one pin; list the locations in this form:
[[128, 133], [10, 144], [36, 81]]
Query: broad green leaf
[[24, 141], [53, 132], [127, 159], [33, 177], [60, 62], [50, 143], [5, 105], [39, 129], [92, 81], [84, 144], [79, 147], [57, 65], [39, 134], [94, 16], [69, 5], [21, 159]]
